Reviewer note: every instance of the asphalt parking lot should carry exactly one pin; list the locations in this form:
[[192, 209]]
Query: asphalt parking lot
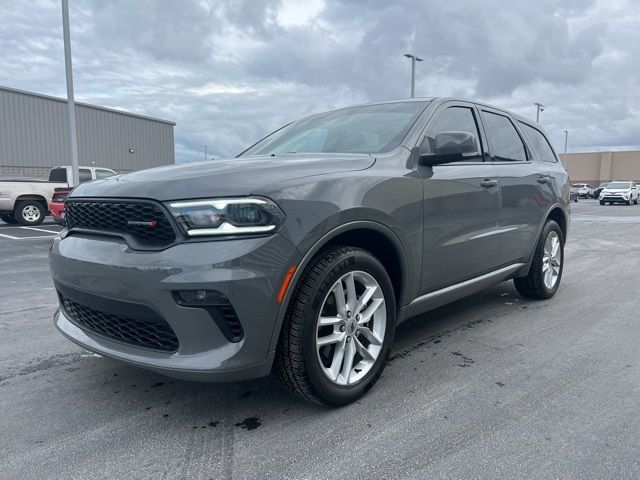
[[494, 386]]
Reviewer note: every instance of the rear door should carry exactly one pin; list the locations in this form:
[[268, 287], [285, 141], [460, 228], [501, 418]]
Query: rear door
[[525, 186], [461, 206]]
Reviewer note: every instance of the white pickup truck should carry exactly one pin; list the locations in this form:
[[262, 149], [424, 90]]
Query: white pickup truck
[[26, 200]]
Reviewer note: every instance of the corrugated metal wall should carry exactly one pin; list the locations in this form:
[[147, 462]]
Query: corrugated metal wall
[[33, 136]]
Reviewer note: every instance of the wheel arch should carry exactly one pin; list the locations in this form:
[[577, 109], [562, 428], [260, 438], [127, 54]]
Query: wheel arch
[[557, 214], [369, 235], [38, 198]]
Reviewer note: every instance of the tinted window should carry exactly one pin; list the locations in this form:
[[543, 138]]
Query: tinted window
[[58, 175], [453, 119], [104, 173], [505, 142], [539, 143], [85, 175], [368, 129]]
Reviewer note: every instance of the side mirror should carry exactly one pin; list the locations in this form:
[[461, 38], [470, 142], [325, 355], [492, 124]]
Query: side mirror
[[451, 147]]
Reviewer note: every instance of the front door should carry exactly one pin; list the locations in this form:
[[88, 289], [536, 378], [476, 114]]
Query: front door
[[461, 206]]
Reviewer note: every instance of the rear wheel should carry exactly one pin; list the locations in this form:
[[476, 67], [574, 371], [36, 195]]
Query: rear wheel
[[8, 218], [339, 328], [29, 212], [545, 273]]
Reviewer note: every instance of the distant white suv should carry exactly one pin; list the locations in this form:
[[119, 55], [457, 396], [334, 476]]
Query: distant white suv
[[620, 192], [584, 189]]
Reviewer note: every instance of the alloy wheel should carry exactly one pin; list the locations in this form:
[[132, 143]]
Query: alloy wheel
[[31, 213], [551, 260], [351, 328]]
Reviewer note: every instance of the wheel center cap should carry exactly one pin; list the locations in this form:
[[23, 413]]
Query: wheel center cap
[[351, 327]]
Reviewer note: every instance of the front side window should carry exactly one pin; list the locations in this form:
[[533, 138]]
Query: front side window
[[367, 129], [504, 140], [453, 119], [539, 144]]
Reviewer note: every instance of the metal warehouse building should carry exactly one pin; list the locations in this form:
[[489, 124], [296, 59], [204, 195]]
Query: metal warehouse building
[[34, 136]]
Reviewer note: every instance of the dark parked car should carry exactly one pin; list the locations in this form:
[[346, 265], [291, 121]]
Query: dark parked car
[[306, 251], [599, 188]]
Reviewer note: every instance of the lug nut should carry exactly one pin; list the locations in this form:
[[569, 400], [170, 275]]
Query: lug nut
[[358, 317], [348, 339], [357, 333], [348, 314], [343, 328]]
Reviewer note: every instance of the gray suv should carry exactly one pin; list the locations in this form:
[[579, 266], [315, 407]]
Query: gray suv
[[303, 254]]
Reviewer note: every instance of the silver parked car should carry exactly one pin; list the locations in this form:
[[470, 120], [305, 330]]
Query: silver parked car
[[305, 252]]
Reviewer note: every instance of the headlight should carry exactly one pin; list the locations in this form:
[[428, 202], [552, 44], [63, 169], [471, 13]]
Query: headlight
[[226, 216]]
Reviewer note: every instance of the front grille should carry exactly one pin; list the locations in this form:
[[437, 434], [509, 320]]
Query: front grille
[[146, 222], [140, 333]]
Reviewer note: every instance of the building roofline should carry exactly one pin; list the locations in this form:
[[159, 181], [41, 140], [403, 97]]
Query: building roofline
[[82, 104]]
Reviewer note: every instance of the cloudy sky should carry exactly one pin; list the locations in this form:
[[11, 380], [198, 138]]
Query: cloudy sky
[[229, 71]]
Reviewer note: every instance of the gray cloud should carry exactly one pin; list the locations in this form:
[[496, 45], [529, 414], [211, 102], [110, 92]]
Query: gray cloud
[[230, 71]]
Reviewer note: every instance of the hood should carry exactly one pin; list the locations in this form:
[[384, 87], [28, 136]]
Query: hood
[[220, 178]]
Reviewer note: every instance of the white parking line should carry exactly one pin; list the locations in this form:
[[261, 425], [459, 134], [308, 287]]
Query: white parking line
[[40, 230], [9, 236]]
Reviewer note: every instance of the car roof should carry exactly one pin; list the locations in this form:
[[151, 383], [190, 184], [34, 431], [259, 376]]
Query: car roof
[[441, 100]]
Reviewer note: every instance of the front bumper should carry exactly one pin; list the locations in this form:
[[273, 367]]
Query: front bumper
[[247, 271]]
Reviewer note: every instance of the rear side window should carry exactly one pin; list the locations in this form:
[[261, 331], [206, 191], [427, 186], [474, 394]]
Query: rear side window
[[504, 140], [58, 175], [104, 174], [453, 119], [85, 175], [539, 143]]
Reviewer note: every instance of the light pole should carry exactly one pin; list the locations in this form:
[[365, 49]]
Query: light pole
[[539, 108], [414, 59], [566, 139], [71, 106], [205, 152]]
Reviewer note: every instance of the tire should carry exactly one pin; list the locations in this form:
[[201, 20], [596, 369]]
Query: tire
[[601, 202], [629, 202], [575, 200], [635, 202], [302, 366], [29, 212], [8, 218], [534, 285]]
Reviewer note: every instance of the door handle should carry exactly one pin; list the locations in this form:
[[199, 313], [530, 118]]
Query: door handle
[[488, 183], [543, 179]]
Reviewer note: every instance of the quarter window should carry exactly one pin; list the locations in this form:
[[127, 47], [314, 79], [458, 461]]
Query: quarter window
[[104, 173], [84, 175], [505, 142], [539, 143], [453, 119]]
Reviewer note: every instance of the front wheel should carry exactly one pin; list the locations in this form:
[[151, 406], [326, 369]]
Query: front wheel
[[29, 212], [545, 273], [601, 202], [338, 329]]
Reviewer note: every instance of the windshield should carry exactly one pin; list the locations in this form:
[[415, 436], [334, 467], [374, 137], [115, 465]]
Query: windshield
[[579, 185], [619, 185], [366, 129]]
